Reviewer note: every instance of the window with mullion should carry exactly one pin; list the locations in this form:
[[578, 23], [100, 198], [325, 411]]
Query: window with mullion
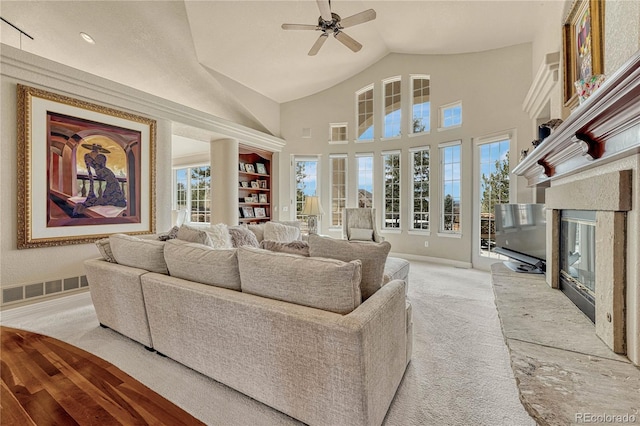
[[391, 161], [338, 173], [392, 108], [420, 104], [364, 163], [451, 187], [364, 105], [192, 191], [420, 197]]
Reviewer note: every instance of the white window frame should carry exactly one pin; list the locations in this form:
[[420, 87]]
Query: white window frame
[[441, 231], [357, 122], [384, 102], [413, 230], [346, 133], [373, 185], [346, 186], [383, 217], [294, 188], [411, 117], [174, 201], [441, 113]]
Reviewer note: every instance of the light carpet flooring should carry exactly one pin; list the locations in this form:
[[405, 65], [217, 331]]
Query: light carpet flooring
[[459, 373]]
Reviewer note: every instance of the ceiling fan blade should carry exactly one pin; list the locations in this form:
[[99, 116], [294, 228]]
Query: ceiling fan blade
[[325, 10], [299, 27], [358, 18], [347, 41], [318, 44]]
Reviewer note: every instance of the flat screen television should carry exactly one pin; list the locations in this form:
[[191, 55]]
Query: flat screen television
[[521, 233]]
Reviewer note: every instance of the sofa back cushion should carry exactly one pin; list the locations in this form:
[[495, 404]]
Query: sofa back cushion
[[203, 264], [325, 284], [193, 235], [294, 247], [242, 236], [138, 252], [372, 255]]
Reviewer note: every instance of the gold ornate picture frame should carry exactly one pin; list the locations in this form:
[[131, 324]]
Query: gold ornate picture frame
[[582, 44], [85, 171]]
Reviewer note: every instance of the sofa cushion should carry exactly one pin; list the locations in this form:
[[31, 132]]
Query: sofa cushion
[[326, 284], [193, 235], [396, 269], [372, 255], [203, 264], [280, 232], [105, 250], [138, 252], [361, 234], [294, 247], [219, 236], [258, 230], [242, 236]]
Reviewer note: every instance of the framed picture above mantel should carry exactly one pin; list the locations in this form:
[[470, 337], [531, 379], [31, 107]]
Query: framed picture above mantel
[[582, 45], [84, 170]]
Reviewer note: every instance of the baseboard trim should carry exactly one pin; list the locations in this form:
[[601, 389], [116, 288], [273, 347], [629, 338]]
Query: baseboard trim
[[439, 260], [40, 306]]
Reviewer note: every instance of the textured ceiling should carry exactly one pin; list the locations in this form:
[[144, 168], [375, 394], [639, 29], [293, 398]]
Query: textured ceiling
[[169, 48]]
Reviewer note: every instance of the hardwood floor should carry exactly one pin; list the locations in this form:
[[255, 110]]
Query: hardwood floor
[[49, 382]]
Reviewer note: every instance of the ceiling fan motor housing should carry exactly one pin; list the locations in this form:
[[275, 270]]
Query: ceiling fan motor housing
[[330, 26]]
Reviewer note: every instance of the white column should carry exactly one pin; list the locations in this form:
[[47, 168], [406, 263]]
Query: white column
[[224, 181]]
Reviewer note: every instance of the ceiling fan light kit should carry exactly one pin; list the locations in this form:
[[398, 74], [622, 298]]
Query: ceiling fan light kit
[[331, 23]]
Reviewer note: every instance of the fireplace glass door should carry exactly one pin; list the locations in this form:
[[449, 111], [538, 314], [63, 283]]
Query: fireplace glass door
[[578, 258]]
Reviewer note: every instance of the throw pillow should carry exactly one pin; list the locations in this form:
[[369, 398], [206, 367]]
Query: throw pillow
[[193, 235], [326, 284], [203, 264], [294, 247], [279, 232], [219, 236], [361, 234], [258, 230], [172, 234], [138, 252], [242, 236], [373, 257], [105, 250]]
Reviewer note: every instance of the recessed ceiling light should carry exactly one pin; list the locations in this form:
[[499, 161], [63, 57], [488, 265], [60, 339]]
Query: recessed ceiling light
[[86, 37]]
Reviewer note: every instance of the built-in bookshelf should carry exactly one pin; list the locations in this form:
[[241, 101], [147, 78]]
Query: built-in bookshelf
[[254, 185]]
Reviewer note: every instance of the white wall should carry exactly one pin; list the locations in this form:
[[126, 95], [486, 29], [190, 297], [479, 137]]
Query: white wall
[[491, 85]]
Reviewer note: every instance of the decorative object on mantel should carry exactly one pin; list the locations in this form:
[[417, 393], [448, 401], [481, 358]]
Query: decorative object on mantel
[[535, 143], [585, 87], [552, 124], [523, 154], [582, 45], [545, 129]]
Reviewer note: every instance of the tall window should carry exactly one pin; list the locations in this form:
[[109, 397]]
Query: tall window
[[306, 175], [391, 162], [364, 102], [420, 104], [451, 115], [364, 163], [494, 189], [392, 108], [192, 191], [420, 196], [338, 133], [338, 174], [450, 154]]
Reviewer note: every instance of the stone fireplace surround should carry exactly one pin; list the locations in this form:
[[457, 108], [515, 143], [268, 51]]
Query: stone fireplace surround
[[592, 162]]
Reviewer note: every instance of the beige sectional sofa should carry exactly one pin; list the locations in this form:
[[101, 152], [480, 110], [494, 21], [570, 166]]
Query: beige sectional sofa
[[292, 332]]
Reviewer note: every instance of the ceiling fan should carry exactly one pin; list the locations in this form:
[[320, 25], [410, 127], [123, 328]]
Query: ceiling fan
[[331, 23]]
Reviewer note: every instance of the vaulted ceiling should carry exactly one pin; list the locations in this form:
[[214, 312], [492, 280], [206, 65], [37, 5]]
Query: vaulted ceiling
[[205, 53]]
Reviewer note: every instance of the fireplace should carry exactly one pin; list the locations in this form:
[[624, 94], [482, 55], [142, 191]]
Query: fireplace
[[590, 169], [578, 259]]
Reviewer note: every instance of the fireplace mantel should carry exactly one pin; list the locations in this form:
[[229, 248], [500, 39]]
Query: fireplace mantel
[[603, 128]]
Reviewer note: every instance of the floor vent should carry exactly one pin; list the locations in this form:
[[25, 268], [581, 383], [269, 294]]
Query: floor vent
[[42, 290]]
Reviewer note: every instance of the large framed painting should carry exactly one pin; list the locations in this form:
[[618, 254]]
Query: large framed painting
[[582, 36], [84, 170]]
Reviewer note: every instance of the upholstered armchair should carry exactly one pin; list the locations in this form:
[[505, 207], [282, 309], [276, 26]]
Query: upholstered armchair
[[360, 224]]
